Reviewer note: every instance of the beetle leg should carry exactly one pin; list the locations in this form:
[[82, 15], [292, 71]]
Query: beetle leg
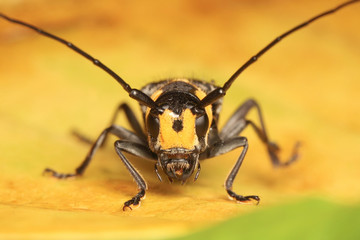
[[131, 147], [131, 118], [133, 121], [114, 129], [226, 146], [237, 122]]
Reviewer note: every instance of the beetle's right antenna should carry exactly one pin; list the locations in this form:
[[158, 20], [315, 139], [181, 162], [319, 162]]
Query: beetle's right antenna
[[133, 93], [220, 92]]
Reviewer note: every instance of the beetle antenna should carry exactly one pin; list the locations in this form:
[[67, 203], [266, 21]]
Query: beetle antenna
[[133, 93], [220, 92]]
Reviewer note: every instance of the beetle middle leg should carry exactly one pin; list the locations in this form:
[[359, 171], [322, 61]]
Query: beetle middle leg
[[237, 122], [114, 129], [132, 145], [131, 118]]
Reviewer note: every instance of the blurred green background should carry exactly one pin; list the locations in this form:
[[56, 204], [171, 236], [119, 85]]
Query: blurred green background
[[307, 87]]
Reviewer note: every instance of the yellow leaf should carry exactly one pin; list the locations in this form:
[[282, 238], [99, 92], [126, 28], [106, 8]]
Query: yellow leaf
[[307, 86]]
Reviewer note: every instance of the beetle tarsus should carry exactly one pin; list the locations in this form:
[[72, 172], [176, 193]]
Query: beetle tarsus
[[135, 201], [275, 159], [244, 199], [55, 174]]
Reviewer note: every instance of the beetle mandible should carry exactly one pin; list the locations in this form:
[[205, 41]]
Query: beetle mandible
[[180, 118]]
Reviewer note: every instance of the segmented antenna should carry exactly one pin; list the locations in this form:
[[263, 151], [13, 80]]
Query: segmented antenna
[[220, 92], [212, 96], [134, 93]]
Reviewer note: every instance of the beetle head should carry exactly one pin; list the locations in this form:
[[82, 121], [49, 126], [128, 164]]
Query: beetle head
[[177, 132]]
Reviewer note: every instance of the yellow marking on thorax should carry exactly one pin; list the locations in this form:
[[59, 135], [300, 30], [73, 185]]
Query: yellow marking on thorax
[[200, 94], [169, 138], [156, 94]]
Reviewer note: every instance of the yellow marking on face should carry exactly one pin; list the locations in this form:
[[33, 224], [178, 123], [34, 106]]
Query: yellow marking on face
[[169, 138]]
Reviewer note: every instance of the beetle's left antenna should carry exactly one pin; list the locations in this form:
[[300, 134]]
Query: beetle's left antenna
[[134, 93]]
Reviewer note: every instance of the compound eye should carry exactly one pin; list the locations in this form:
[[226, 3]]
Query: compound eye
[[152, 124], [202, 125]]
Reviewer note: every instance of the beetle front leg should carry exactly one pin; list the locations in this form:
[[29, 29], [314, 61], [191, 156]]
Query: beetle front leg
[[239, 142], [130, 147], [131, 118], [226, 146]]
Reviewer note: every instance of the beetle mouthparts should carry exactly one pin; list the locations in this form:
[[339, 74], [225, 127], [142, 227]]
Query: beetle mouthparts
[[177, 167]]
